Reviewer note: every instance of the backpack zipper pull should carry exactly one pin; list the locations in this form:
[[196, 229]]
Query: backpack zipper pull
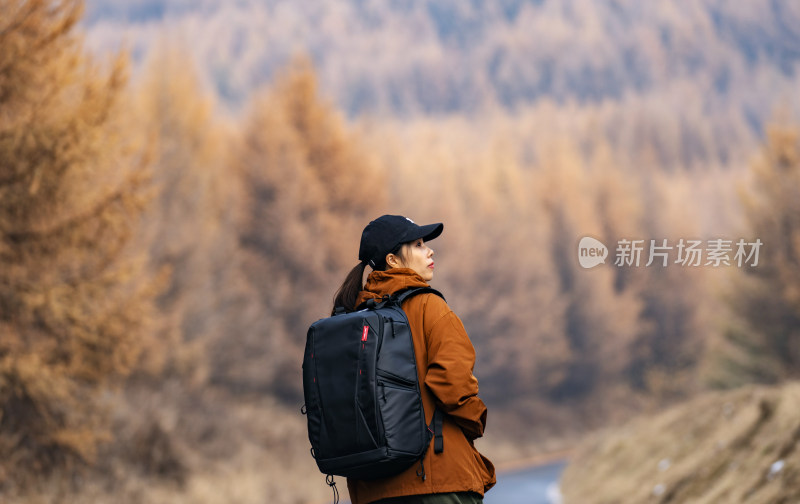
[[421, 472]]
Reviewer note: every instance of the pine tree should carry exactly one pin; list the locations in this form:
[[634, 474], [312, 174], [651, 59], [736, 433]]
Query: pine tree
[[72, 185]]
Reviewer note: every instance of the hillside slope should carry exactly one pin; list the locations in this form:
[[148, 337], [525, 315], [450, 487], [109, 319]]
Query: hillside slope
[[427, 57], [736, 446]]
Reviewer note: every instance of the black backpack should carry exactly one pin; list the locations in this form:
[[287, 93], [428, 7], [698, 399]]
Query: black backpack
[[362, 395]]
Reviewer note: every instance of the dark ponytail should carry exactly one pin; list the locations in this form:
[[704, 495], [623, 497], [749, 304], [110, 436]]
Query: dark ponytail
[[347, 295]]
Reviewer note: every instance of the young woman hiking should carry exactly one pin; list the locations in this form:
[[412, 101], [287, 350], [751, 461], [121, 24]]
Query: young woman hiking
[[397, 251]]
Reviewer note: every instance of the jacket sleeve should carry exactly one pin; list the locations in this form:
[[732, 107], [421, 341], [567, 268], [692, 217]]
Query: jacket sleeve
[[451, 358]]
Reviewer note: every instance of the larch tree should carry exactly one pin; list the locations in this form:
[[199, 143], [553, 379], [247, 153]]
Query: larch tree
[[669, 348], [189, 229], [763, 329], [309, 189], [601, 319], [495, 267], [73, 302]]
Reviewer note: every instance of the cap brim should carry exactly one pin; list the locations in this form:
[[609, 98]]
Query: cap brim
[[427, 233]]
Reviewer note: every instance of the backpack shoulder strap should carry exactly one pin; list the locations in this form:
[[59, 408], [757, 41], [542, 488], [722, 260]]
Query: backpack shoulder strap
[[401, 296], [437, 422], [397, 298]]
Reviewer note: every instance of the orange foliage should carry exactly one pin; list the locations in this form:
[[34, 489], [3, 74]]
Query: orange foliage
[[762, 331], [308, 190], [252, 224], [73, 302]]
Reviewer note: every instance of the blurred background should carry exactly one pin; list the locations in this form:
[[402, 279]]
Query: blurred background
[[183, 185]]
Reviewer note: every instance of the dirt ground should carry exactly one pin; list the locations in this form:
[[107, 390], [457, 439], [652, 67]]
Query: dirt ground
[[735, 446]]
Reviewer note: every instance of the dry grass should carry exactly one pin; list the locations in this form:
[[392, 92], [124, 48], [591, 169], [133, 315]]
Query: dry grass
[[207, 447], [737, 446], [217, 450]]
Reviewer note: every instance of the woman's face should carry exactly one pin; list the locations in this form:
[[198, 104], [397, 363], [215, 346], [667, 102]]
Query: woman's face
[[415, 255]]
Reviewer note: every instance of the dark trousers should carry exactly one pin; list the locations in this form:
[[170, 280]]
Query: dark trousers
[[440, 498]]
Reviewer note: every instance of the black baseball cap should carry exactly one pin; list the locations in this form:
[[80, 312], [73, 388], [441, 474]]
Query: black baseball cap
[[385, 233]]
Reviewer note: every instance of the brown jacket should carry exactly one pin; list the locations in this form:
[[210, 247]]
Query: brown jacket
[[445, 358]]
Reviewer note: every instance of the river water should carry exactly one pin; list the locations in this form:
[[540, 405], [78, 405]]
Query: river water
[[530, 485]]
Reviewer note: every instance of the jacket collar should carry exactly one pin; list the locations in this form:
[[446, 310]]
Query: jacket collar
[[386, 283]]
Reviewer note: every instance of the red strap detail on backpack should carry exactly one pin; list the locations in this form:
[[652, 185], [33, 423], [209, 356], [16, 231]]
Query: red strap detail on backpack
[[364, 334]]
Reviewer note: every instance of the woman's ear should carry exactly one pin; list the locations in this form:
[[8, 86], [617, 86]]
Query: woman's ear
[[396, 260]]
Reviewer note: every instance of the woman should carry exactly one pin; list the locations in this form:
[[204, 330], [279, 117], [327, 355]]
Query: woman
[[397, 251]]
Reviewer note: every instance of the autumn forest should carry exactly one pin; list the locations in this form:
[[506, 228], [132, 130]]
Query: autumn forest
[[174, 216]]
